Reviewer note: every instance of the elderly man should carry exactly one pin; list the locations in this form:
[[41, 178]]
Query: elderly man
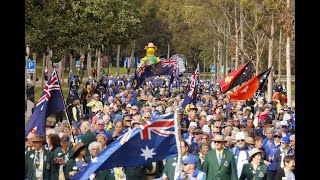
[[39, 161], [219, 163], [190, 169], [29, 143], [87, 136], [292, 145], [240, 152]]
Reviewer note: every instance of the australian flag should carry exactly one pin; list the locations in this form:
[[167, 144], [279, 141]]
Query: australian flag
[[50, 102], [191, 93], [149, 142], [146, 71]]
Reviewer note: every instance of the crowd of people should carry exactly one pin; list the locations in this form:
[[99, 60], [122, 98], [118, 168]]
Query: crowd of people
[[246, 139]]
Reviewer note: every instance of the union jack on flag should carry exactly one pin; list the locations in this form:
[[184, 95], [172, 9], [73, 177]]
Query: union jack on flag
[[170, 62], [50, 102], [191, 92], [141, 69]]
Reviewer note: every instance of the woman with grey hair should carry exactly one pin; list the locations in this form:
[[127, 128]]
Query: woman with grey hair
[[94, 149]]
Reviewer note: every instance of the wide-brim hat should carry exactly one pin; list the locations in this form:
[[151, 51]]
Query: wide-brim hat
[[249, 140], [134, 122], [253, 152], [151, 45], [219, 138], [76, 148], [38, 138], [127, 118]]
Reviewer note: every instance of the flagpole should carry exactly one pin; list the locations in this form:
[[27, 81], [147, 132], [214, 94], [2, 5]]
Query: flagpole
[[177, 132], [264, 84], [64, 104]]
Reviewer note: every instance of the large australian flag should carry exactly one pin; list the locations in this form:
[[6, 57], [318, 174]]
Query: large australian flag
[[50, 102], [149, 142], [145, 71], [191, 92]]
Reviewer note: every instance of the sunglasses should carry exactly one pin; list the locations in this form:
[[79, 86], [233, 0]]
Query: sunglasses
[[217, 142], [216, 132], [196, 133], [276, 136], [100, 124], [242, 127], [236, 121], [284, 126], [242, 140]]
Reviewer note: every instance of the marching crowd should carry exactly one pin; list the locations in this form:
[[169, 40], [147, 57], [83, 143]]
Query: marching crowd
[[246, 139]]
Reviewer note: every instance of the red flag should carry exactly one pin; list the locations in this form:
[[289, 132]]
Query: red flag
[[248, 89], [237, 77]]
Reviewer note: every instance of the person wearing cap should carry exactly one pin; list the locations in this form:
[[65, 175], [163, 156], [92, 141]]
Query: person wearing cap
[[254, 169], [288, 171], [62, 155], [171, 163], [69, 102], [284, 128], [189, 136], [240, 152], [78, 160], [94, 103], [270, 153], [219, 162], [292, 145], [190, 169], [39, 161], [282, 152]]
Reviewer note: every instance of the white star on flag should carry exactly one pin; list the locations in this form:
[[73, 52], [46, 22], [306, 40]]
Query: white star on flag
[[147, 153], [245, 89], [94, 160]]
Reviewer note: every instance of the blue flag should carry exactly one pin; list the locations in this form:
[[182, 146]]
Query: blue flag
[[50, 102], [191, 92], [149, 142], [146, 71]]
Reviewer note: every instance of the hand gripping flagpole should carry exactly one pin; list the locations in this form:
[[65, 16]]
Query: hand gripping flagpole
[[177, 131], [64, 104]]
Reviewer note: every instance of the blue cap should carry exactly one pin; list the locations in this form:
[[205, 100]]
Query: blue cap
[[285, 139], [190, 159]]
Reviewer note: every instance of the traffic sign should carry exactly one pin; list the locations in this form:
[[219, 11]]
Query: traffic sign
[[78, 64], [31, 66], [212, 68]]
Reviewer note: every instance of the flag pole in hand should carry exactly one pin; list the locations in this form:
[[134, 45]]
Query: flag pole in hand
[[177, 132], [65, 107]]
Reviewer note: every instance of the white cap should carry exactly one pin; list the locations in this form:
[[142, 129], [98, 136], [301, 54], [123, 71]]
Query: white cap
[[283, 123], [193, 124], [129, 105], [240, 135], [209, 117], [111, 105], [286, 117], [206, 128]]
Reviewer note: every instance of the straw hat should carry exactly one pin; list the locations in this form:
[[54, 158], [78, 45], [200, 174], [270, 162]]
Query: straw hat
[[253, 152], [249, 140], [219, 138], [76, 149], [38, 138], [151, 45], [127, 118]]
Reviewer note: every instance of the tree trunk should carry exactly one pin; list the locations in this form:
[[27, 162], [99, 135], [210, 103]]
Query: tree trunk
[[236, 30], [279, 60], [214, 64], [257, 56], [241, 35], [118, 59], [34, 57], [219, 61], [288, 62], [26, 74], [168, 55], [131, 59], [270, 59], [89, 63], [42, 71], [98, 64], [63, 67], [49, 63]]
